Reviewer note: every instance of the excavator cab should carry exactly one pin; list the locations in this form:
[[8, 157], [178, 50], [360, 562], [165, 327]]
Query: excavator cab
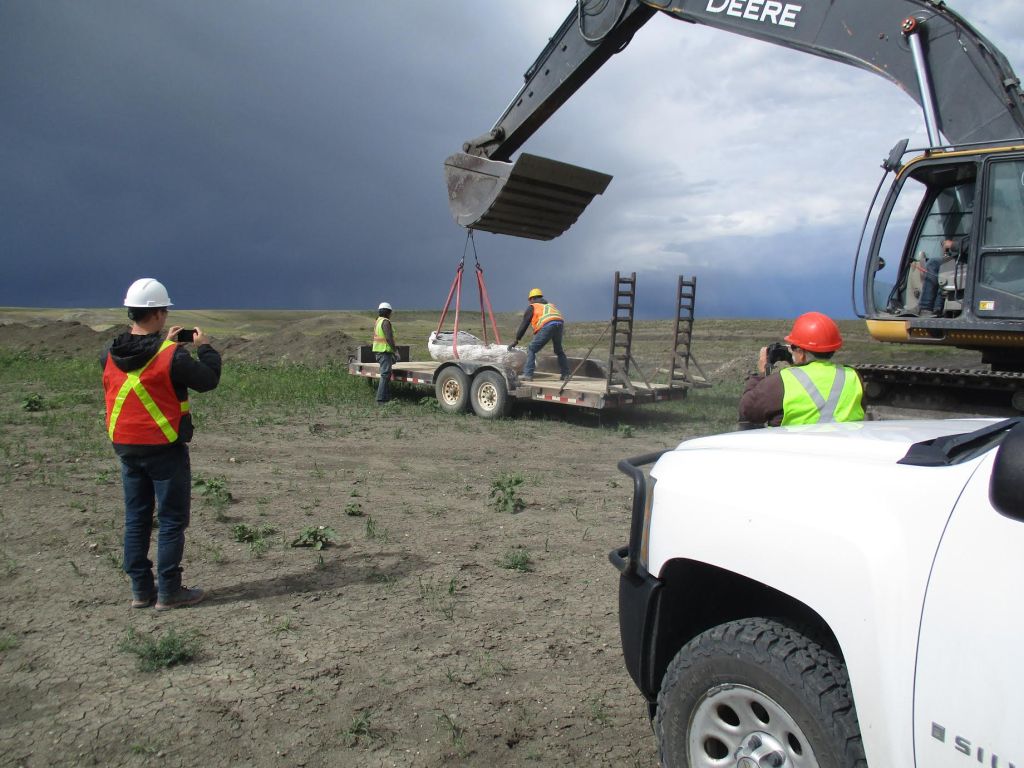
[[947, 258]]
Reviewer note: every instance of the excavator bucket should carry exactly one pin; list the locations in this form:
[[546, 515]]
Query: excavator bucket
[[534, 197]]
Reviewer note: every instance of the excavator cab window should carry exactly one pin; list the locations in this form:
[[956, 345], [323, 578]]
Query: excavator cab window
[[1000, 291], [931, 278]]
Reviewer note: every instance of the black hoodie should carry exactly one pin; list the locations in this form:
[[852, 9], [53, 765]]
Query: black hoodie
[[130, 352]]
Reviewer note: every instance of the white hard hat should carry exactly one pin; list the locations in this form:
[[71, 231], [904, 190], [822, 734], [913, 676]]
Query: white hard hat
[[383, 305], [147, 292]]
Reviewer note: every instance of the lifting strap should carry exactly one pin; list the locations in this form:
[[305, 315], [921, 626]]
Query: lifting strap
[[486, 313]]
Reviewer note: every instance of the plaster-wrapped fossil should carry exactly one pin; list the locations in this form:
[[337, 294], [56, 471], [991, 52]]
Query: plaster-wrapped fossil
[[472, 349]]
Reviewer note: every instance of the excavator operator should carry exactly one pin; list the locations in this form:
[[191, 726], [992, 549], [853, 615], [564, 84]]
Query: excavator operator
[[814, 390]]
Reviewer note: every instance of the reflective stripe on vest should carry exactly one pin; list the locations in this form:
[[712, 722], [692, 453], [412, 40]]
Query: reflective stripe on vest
[[543, 314], [380, 341], [138, 430], [804, 401]]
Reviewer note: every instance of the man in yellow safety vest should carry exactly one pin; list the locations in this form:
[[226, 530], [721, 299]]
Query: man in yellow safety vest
[[146, 378], [814, 390], [385, 349]]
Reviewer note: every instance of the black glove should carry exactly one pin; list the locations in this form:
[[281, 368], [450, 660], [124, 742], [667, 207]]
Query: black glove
[[511, 346]]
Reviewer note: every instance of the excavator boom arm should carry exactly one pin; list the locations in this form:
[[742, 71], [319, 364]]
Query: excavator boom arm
[[967, 88], [977, 95]]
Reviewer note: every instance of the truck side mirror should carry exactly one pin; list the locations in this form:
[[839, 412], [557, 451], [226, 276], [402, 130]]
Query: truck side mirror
[[1006, 486]]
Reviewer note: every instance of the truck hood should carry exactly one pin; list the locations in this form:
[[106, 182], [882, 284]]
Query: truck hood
[[864, 442]]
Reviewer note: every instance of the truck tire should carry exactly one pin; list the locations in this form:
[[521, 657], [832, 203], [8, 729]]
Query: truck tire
[[452, 390], [759, 689], [489, 395]]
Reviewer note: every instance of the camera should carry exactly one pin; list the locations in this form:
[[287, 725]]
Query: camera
[[777, 352], [185, 335]]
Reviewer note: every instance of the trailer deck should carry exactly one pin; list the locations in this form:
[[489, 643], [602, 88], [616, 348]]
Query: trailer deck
[[581, 391]]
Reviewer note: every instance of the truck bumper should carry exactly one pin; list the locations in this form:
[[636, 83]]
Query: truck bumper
[[639, 608]]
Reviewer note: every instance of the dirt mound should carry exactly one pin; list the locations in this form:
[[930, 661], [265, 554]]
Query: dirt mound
[[290, 345], [59, 338], [293, 344]]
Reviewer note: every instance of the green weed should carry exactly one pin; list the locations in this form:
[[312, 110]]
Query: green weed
[[315, 536], [517, 559], [214, 553], [285, 626], [354, 509], [360, 730], [376, 532], [504, 494], [456, 733], [215, 493], [255, 535], [8, 642], [169, 650], [33, 403]]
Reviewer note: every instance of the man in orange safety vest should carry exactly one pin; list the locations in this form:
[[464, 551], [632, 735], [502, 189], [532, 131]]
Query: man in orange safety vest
[[548, 325], [146, 378]]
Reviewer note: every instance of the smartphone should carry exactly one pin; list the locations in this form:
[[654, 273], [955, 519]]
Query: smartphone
[[185, 335]]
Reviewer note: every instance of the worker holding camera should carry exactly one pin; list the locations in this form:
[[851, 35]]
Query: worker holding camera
[[812, 390], [146, 378]]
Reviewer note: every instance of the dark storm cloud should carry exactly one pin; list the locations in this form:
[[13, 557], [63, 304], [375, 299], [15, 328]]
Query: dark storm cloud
[[289, 154]]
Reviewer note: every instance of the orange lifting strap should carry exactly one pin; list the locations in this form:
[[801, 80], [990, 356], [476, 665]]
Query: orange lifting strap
[[486, 313]]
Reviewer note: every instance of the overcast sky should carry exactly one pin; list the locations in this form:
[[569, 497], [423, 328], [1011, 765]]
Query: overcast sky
[[289, 155]]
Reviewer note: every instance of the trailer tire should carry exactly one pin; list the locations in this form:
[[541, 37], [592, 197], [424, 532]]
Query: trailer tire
[[489, 395], [452, 390], [757, 686]]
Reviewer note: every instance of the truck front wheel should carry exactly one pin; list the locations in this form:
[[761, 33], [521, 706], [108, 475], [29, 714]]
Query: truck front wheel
[[755, 693]]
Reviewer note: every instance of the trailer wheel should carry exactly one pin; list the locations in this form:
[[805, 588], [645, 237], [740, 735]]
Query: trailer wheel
[[489, 395], [761, 692], [452, 390]]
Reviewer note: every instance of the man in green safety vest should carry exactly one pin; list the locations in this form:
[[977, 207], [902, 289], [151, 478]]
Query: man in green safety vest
[[814, 390], [385, 349]]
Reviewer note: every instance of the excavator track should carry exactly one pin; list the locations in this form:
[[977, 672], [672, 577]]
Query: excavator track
[[949, 390]]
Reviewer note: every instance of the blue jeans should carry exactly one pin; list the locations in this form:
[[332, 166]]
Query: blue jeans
[[551, 332], [931, 296], [386, 361], [161, 482]]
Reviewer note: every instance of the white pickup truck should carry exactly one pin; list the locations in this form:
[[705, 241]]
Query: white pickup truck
[[834, 595]]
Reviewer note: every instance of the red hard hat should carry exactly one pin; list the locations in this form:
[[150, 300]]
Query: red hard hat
[[815, 332]]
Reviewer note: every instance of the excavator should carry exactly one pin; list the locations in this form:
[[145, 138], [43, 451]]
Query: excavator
[[951, 275]]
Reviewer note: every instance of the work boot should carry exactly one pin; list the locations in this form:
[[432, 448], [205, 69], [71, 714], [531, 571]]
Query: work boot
[[183, 597], [143, 600]]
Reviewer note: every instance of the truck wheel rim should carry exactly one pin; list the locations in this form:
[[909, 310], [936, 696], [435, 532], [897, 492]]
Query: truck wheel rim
[[487, 396], [451, 392], [736, 726]]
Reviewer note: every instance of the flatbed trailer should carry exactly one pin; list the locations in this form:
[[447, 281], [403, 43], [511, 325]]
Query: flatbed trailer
[[490, 390]]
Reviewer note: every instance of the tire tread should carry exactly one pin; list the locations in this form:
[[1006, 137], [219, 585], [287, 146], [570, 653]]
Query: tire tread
[[777, 648]]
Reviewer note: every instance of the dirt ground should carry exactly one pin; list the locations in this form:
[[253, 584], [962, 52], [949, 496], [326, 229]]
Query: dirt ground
[[408, 643]]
